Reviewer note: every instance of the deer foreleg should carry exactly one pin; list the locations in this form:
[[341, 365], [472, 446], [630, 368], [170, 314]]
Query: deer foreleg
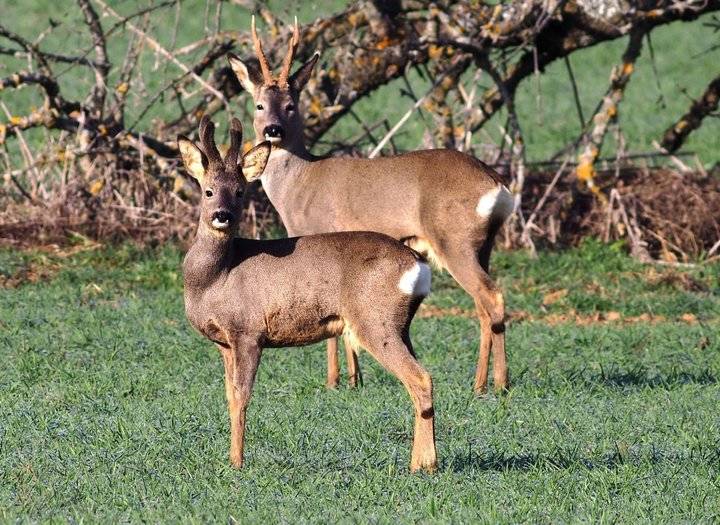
[[241, 362], [333, 368]]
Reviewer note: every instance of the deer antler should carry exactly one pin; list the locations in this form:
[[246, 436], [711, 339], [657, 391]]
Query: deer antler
[[264, 65], [207, 140], [287, 62], [235, 144]]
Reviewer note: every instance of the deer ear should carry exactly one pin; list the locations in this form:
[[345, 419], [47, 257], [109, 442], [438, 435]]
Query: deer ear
[[302, 75], [248, 76], [254, 161], [194, 159]]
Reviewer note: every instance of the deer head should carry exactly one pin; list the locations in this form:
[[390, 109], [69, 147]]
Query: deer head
[[222, 181], [276, 98]]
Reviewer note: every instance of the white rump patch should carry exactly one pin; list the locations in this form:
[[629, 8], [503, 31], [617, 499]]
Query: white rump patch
[[498, 203], [416, 280]]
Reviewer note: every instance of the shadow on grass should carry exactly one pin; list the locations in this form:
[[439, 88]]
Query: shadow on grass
[[561, 460], [639, 377], [615, 377]]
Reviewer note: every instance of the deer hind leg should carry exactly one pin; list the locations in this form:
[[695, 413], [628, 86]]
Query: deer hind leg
[[483, 363], [494, 312], [241, 362], [353, 367], [333, 367], [469, 269], [394, 353], [491, 311]]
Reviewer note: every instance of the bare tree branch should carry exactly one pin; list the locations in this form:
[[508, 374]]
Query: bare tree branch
[[675, 135], [607, 113], [50, 57], [29, 47], [97, 99], [437, 103], [164, 52]]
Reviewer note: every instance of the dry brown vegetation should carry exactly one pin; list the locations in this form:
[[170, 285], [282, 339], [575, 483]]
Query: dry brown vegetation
[[99, 175]]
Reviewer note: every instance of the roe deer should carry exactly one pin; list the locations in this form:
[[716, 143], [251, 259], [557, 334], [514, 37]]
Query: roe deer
[[246, 295], [443, 203]]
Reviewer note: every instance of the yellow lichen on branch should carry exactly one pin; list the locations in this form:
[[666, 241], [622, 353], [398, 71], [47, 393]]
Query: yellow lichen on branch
[[96, 187], [705, 105], [593, 139]]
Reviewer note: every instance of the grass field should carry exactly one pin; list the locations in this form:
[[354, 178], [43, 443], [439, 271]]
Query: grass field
[[545, 105], [112, 408]]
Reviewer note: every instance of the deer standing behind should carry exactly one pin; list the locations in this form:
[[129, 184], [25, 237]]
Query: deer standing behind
[[443, 203], [246, 295]]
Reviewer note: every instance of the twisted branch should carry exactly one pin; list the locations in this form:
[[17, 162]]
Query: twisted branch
[[675, 135]]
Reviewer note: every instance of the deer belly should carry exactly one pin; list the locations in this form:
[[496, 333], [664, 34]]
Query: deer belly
[[294, 328]]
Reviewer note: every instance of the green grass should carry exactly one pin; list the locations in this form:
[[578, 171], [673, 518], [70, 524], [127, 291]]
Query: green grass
[[597, 277], [112, 408], [545, 106]]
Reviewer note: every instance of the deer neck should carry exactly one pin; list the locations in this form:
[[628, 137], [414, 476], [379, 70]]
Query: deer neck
[[209, 257], [282, 176]]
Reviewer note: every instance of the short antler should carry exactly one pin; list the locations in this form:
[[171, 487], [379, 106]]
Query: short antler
[[287, 62], [264, 65], [235, 143], [282, 79], [207, 140]]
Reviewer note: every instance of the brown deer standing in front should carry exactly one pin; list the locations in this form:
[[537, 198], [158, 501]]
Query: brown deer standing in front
[[443, 203], [246, 295]]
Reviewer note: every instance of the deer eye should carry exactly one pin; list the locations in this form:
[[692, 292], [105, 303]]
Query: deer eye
[[290, 107], [238, 193], [259, 107], [208, 193]]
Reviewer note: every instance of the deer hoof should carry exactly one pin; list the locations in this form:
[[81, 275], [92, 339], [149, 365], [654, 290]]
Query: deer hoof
[[429, 466], [425, 460], [502, 387], [480, 390], [502, 390]]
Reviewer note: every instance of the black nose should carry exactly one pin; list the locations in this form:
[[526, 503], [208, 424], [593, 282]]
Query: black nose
[[274, 131], [223, 216]]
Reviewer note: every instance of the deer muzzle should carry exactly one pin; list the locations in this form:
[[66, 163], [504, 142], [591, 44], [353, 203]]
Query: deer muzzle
[[274, 133], [222, 219]]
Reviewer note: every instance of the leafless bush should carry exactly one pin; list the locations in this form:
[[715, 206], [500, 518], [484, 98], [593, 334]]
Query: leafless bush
[[661, 213]]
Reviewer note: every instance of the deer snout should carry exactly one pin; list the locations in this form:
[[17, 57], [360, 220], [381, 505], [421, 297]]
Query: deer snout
[[274, 133], [222, 219]]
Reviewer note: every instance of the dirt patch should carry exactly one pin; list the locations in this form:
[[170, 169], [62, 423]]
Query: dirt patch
[[555, 296], [44, 267], [32, 272], [428, 310], [674, 279], [569, 317]]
